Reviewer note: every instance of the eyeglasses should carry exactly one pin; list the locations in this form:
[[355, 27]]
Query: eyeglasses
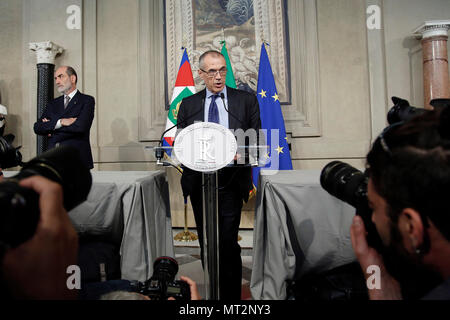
[[382, 140], [212, 73]]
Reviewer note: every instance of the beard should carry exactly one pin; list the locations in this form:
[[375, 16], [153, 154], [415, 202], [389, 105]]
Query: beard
[[415, 278], [64, 88]]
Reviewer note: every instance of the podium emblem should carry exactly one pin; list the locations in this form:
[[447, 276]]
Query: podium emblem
[[205, 146]]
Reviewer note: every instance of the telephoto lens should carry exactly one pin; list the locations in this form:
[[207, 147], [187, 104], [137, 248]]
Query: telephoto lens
[[20, 206], [348, 184]]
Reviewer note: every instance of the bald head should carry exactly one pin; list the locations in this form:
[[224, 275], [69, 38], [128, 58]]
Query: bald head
[[213, 70], [210, 53]]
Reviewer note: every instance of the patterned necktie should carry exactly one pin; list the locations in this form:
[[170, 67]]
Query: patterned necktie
[[213, 113], [67, 98]]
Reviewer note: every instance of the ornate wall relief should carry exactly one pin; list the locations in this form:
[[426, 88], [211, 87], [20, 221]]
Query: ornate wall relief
[[289, 26]]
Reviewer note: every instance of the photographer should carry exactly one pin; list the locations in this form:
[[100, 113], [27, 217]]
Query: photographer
[[409, 183], [36, 269], [3, 113], [130, 295]]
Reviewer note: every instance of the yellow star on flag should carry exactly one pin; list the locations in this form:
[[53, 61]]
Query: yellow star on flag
[[263, 93], [279, 149], [275, 97], [267, 155]]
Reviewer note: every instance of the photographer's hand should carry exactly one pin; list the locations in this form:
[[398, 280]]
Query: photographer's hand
[[195, 295], [1, 175], [367, 256], [37, 268]]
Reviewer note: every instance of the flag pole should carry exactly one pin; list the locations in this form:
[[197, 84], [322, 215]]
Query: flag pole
[[185, 235]]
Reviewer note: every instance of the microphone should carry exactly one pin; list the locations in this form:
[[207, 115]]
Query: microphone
[[247, 152], [222, 96], [159, 151]]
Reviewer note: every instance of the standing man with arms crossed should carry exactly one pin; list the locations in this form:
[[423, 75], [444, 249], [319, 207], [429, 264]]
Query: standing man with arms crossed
[[67, 119], [234, 183]]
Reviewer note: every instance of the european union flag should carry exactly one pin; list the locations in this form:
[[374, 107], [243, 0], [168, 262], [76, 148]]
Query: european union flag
[[271, 120]]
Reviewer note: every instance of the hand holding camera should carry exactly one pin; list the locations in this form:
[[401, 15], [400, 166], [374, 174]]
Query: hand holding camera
[[163, 286], [38, 240], [36, 269], [368, 256]]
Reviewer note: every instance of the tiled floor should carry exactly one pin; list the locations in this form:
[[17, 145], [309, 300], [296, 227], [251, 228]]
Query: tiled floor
[[188, 257]]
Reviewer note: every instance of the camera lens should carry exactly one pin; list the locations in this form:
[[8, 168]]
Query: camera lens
[[20, 206], [350, 185], [344, 182], [64, 166], [165, 269]]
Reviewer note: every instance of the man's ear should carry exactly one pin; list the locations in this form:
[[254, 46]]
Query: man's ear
[[412, 229]]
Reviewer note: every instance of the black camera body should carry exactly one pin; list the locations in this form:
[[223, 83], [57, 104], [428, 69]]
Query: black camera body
[[20, 206], [350, 185], [9, 156], [162, 285], [403, 111]]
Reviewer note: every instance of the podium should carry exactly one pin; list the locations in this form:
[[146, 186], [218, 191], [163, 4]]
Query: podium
[[208, 147]]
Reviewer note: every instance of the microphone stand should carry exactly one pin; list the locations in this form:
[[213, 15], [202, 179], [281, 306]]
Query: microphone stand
[[185, 235]]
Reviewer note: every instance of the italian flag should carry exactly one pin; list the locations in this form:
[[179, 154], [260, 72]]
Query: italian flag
[[230, 81], [184, 87]]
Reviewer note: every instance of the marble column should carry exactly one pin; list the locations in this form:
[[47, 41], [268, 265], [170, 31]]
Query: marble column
[[434, 35], [46, 53]]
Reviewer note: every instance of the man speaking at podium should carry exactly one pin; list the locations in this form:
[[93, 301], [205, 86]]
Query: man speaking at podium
[[233, 109]]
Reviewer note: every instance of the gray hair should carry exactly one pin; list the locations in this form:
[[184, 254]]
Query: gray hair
[[71, 72], [213, 53], [123, 295]]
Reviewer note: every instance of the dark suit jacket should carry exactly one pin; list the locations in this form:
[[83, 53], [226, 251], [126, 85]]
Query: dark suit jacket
[[243, 110], [76, 135]]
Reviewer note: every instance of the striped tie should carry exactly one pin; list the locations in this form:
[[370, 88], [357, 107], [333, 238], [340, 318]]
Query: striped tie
[[67, 98]]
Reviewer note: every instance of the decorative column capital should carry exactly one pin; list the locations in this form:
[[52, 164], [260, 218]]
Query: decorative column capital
[[3, 110], [46, 52], [432, 29]]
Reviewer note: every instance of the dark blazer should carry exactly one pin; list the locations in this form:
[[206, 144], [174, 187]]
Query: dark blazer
[[77, 135], [243, 110]]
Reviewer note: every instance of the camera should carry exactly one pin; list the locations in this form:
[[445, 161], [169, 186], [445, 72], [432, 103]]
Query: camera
[[162, 285], [20, 206], [350, 185], [9, 156], [403, 111]]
